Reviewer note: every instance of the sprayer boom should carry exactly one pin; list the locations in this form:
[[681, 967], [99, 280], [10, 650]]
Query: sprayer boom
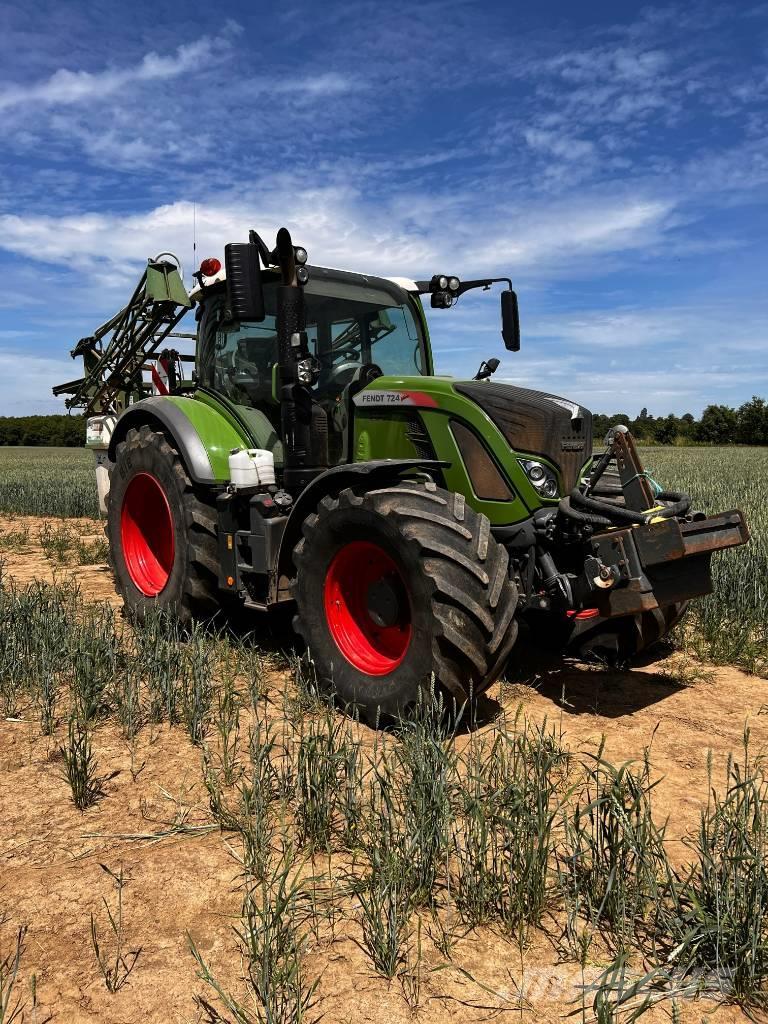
[[115, 354]]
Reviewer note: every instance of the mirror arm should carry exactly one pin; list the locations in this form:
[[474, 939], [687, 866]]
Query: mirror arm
[[261, 245], [425, 287]]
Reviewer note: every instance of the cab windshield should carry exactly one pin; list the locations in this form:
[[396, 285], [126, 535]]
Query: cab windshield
[[351, 322], [350, 325]]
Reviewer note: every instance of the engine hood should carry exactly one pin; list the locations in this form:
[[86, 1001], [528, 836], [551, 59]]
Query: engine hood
[[537, 423]]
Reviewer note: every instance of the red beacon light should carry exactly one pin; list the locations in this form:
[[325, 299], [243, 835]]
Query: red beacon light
[[210, 267]]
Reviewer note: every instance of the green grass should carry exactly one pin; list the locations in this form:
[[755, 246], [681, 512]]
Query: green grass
[[48, 482]]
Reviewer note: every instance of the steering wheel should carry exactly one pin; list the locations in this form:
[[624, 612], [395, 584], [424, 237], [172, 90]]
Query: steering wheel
[[369, 372], [333, 381], [362, 376], [246, 376]]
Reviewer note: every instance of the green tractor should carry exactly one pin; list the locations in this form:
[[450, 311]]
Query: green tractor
[[314, 459]]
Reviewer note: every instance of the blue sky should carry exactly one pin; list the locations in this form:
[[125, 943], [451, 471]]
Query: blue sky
[[611, 158]]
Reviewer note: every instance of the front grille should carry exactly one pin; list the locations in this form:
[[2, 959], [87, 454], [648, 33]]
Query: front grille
[[417, 434], [536, 423], [415, 430]]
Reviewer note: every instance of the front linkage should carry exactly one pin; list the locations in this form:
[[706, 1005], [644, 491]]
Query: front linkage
[[632, 555]]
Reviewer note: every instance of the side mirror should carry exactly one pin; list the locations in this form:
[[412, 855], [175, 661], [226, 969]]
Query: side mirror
[[510, 321], [245, 294]]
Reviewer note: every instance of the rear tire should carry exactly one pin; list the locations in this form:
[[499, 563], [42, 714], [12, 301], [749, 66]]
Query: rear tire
[[396, 585], [163, 547]]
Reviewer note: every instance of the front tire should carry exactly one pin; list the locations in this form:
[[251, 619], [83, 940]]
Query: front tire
[[162, 533], [400, 585]]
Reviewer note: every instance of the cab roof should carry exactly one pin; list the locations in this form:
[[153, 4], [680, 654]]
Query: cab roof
[[348, 276]]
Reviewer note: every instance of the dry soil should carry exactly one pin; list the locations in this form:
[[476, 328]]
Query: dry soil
[[51, 855]]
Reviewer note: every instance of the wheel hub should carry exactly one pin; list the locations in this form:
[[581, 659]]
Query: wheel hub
[[146, 529], [367, 608], [383, 602]]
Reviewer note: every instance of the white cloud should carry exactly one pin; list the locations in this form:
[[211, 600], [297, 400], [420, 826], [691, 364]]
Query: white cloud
[[591, 154], [330, 83], [410, 234], [65, 87], [619, 63], [26, 381], [627, 388], [679, 358], [705, 330], [616, 327], [556, 233], [559, 144]]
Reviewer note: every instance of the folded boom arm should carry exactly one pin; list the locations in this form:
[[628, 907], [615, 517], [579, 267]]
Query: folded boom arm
[[115, 354]]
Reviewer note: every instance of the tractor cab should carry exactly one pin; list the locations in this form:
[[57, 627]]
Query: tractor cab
[[357, 328]]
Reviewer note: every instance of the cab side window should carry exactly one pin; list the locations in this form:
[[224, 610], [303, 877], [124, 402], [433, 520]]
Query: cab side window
[[244, 357]]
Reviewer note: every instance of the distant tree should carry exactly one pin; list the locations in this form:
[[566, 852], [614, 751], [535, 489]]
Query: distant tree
[[643, 428], [718, 425], [667, 429], [752, 422], [601, 424], [600, 427], [686, 426]]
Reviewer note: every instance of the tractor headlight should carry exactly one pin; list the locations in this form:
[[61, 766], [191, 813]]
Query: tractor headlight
[[454, 283], [549, 490], [442, 283], [441, 300], [307, 370], [542, 477]]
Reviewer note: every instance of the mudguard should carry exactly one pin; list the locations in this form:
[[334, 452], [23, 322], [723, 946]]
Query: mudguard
[[368, 474], [203, 435]]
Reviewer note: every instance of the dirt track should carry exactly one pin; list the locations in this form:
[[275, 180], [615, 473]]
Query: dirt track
[[49, 857]]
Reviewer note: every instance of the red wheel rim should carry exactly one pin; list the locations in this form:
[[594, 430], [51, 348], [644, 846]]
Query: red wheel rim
[[374, 648], [146, 528]]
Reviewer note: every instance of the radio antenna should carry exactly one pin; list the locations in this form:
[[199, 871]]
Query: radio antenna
[[194, 237]]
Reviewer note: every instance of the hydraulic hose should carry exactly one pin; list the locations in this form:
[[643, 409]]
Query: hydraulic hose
[[583, 509], [605, 489], [681, 503], [616, 513], [585, 518]]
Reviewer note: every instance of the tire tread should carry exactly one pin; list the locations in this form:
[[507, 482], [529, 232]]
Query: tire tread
[[474, 600]]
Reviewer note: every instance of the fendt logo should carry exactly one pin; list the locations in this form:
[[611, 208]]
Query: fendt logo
[[379, 398]]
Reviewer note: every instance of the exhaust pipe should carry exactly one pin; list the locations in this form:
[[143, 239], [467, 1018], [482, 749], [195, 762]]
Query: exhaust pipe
[[304, 422]]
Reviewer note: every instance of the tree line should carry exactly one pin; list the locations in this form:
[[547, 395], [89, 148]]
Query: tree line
[[61, 431], [719, 424]]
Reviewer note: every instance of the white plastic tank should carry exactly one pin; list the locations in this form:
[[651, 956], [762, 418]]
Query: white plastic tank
[[251, 467]]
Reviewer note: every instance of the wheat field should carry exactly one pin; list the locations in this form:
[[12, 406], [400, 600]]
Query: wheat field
[[730, 627]]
